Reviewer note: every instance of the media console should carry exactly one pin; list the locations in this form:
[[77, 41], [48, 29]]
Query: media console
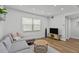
[[53, 33], [54, 36]]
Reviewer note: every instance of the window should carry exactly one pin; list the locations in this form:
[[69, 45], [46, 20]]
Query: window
[[36, 25], [27, 24], [30, 24]]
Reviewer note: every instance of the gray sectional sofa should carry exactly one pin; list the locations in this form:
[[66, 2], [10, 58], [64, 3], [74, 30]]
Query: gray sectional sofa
[[7, 45]]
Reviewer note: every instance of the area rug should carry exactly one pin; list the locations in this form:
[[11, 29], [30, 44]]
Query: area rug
[[31, 50]]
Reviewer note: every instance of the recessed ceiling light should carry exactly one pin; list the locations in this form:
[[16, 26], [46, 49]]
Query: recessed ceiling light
[[62, 8]]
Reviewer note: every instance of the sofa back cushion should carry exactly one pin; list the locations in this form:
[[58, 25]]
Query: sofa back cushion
[[15, 36], [11, 37], [3, 48], [7, 42]]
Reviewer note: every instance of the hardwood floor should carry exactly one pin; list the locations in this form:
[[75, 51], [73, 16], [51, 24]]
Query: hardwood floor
[[69, 46]]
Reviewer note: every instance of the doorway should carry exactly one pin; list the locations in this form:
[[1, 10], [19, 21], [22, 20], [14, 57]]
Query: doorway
[[75, 28], [68, 28], [72, 28]]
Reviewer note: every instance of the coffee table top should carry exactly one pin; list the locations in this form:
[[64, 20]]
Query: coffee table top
[[41, 42]]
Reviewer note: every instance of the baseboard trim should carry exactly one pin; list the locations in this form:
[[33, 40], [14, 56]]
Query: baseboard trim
[[74, 38]]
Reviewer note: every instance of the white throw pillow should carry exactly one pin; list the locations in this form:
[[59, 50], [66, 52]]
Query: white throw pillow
[[7, 42], [3, 48], [17, 38]]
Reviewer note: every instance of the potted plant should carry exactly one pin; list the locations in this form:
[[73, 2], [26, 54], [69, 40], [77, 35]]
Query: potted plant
[[3, 12]]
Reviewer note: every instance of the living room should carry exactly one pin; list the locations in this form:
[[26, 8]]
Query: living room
[[34, 22]]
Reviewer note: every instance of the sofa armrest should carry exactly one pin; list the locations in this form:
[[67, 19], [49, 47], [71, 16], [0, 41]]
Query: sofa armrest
[[19, 45]]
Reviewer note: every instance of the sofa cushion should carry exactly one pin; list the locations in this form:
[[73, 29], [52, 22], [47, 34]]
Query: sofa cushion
[[3, 48], [15, 36], [11, 37], [18, 45], [7, 42]]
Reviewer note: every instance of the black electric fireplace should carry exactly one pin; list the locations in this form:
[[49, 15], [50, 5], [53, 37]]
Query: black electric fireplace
[[54, 30]]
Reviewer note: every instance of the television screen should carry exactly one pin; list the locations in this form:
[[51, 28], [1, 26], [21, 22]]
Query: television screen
[[54, 30]]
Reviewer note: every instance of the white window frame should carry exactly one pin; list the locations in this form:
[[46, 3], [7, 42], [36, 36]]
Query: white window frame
[[32, 24]]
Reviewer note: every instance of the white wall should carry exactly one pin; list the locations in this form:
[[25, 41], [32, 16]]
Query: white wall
[[13, 24], [59, 22], [1, 29], [1, 26], [75, 28]]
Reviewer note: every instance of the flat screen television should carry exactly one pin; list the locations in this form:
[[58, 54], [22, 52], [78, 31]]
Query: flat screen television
[[54, 30]]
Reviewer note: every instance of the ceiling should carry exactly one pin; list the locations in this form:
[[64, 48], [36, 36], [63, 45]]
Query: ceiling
[[46, 10]]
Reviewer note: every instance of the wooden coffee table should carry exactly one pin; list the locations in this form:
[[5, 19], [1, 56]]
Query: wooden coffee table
[[40, 46]]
